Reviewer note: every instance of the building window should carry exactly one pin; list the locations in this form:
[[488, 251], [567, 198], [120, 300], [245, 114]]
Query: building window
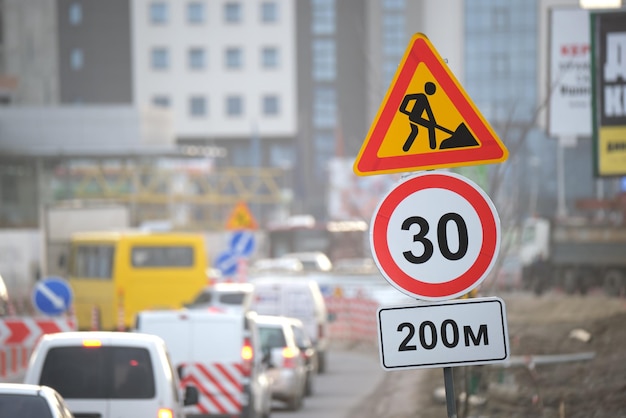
[[324, 150], [397, 5], [160, 58], [234, 106], [324, 108], [269, 12], [158, 12], [269, 57], [324, 60], [197, 106], [196, 59], [161, 101], [77, 60], [76, 14], [195, 12], [232, 12], [323, 20], [394, 42], [234, 58], [270, 105]]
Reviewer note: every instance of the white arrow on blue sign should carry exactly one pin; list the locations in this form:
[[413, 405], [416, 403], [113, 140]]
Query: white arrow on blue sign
[[52, 296], [226, 262], [242, 243]]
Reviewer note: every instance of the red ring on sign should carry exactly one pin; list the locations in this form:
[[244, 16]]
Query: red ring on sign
[[460, 284]]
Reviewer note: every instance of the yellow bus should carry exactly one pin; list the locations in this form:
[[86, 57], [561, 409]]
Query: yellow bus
[[114, 275]]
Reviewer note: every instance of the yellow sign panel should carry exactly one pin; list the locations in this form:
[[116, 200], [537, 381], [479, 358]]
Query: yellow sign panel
[[241, 218], [612, 150], [426, 120]]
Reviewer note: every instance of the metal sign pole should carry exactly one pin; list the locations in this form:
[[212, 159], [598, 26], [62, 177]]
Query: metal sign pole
[[450, 398]]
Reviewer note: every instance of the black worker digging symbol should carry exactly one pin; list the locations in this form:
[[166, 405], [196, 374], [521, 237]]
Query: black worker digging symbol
[[461, 137]]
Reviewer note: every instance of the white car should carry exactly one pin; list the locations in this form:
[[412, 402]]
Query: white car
[[287, 364], [110, 374], [307, 349], [296, 297], [32, 401], [223, 297]]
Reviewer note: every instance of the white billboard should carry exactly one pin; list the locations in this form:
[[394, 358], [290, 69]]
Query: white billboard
[[570, 73]]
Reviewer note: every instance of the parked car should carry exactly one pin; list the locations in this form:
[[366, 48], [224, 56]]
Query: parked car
[[32, 401], [312, 261], [223, 297], [296, 297], [221, 353], [308, 351], [110, 374], [287, 365], [281, 265]]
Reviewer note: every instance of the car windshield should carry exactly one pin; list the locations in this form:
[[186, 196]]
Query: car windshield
[[24, 406], [99, 372], [271, 337], [232, 298]]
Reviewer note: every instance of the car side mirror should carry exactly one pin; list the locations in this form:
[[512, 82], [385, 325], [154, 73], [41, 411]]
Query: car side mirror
[[179, 371], [191, 395]]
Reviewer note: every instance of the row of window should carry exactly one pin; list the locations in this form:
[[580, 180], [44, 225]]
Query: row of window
[[197, 58], [195, 12], [198, 106], [232, 12]]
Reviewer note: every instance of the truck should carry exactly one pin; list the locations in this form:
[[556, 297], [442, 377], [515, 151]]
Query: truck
[[217, 352], [575, 255]]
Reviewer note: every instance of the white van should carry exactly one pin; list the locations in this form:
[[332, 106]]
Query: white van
[[110, 374], [220, 353], [295, 297]]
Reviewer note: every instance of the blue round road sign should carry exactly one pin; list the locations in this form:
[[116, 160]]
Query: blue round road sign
[[52, 296], [226, 262]]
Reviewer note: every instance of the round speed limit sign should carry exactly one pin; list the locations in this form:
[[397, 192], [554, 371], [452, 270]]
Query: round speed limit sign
[[435, 236]]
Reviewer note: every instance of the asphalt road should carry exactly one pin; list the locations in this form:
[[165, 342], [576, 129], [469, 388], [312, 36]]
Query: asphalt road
[[351, 377]]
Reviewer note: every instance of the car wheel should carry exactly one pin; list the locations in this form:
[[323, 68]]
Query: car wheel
[[321, 362], [295, 403], [308, 386]]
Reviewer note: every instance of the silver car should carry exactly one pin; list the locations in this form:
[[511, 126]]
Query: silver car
[[31, 401], [287, 366]]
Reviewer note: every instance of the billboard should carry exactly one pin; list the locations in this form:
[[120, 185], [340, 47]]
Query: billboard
[[608, 30], [570, 74]]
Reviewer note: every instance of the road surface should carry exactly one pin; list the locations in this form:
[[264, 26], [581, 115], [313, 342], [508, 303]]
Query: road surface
[[350, 378]]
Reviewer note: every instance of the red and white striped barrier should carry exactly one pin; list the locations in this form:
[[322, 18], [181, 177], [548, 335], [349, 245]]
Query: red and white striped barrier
[[355, 318], [220, 386], [18, 336]]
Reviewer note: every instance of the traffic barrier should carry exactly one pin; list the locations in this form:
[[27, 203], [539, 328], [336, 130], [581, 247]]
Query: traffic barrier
[[19, 335], [95, 318], [220, 386], [354, 318], [121, 320]]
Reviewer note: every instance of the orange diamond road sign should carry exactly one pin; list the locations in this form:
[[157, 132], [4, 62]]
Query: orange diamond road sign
[[426, 120], [241, 218]]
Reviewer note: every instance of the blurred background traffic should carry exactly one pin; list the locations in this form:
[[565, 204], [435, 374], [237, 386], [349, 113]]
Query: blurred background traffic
[[152, 148]]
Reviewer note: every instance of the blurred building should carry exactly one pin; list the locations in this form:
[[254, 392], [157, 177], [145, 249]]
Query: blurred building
[[286, 84]]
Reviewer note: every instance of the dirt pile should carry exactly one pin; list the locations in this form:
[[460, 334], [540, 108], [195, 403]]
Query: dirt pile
[[570, 362]]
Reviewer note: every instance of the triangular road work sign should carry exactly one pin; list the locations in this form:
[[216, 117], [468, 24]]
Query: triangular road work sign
[[241, 218], [426, 120]]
